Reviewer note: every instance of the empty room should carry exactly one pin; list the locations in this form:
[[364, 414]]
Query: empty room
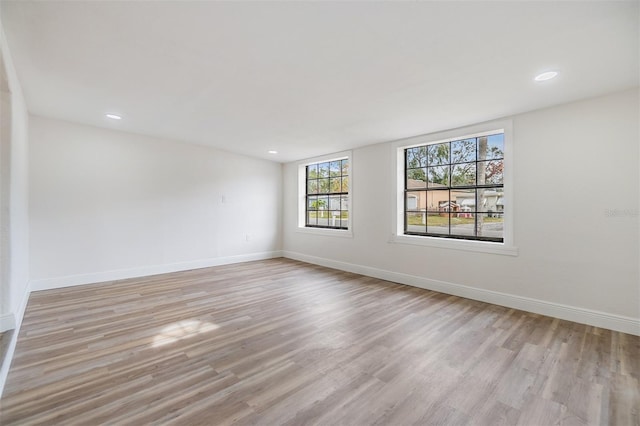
[[320, 213]]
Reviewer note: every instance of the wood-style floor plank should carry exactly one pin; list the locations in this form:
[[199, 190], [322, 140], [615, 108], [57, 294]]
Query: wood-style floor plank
[[281, 342]]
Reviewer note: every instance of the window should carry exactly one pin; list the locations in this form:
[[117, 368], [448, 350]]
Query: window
[[454, 189], [325, 201], [327, 194]]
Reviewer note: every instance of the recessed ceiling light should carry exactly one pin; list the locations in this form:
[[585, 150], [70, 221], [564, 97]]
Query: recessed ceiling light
[[546, 76], [272, 152], [113, 116]]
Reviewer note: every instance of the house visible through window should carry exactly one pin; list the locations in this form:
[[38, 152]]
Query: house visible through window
[[327, 194], [454, 189]]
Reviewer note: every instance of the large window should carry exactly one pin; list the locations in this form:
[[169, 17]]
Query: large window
[[454, 189], [327, 194]]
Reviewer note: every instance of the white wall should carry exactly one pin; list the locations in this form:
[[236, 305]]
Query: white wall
[[5, 188], [18, 187], [576, 220], [106, 204], [15, 264]]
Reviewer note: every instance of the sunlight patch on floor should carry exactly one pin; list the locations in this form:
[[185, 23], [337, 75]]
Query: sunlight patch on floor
[[182, 330]]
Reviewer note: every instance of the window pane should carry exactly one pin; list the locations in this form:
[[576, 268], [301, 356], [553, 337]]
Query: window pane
[[312, 187], [463, 174], [323, 203], [438, 223], [438, 176], [463, 224], [437, 200], [334, 168], [335, 185], [323, 219], [345, 167], [323, 216], [323, 169], [312, 171], [334, 218], [463, 151], [312, 203], [464, 200], [317, 203], [412, 202], [416, 200], [344, 203], [311, 218], [344, 215], [334, 202], [500, 204], [323, 186], [490, 198], [439, 154], [482, 148], [345, 184], [415, 222], [493, 172], [410, 158], [416, 178], [491, 225], [495, 146], [417, 157]]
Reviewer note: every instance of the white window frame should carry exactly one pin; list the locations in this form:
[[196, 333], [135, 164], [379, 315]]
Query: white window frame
[[302, 199], [507, 247]]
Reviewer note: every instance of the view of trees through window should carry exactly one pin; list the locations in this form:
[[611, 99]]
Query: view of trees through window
[[327, 194], [455, 189]]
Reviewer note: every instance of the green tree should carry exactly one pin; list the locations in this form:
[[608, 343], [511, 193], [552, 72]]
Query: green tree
[[318, 204], [463, 151], [463, 174], [323, 186], [417, 157], [439, 175], [438, 154], [463, 156], [416, 163]]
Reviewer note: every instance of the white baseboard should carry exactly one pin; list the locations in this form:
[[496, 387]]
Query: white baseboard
[[120, 274], [7, 322], [6, 362], [571, 313]]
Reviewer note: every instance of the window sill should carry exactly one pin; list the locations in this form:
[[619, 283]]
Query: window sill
[[465, 245], [344, 233]]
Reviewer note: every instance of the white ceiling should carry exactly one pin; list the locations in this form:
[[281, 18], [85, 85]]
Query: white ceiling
[[311, 78]]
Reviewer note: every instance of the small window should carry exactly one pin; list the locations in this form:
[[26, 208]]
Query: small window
[[327, 194], [454, 189]]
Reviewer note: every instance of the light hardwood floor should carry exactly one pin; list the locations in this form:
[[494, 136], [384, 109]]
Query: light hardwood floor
[[281, 342]]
